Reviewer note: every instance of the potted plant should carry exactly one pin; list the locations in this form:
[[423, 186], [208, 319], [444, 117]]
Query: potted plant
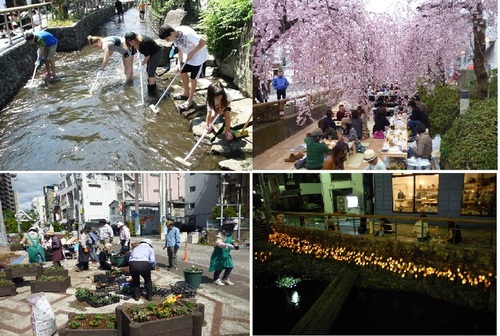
[[55, 271], [193, 275], [50, 284], [97, 324], [7, 287], [82, 294], [171, 317], [21, 270]]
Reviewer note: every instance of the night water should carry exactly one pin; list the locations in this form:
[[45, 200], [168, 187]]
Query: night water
[[366, 312]]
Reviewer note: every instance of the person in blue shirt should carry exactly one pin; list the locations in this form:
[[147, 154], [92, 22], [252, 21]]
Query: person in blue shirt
[[142, 261], [47, 46], [280, 84], [172, 244]]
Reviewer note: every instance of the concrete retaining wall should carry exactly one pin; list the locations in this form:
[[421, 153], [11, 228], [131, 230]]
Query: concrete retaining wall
[[17, 63]]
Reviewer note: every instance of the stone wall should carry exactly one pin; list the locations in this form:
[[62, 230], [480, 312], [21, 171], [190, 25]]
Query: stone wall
[[239, 66], [271, 133], [17, 63]]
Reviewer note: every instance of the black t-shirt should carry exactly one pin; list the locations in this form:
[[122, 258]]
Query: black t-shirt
[[148, 46]]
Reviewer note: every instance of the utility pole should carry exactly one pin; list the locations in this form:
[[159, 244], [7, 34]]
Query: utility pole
[[3, 230], [136, 191], [163, 212]]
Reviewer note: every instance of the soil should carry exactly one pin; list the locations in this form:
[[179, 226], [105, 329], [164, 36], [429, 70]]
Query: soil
[[7, 258], [85, 323]]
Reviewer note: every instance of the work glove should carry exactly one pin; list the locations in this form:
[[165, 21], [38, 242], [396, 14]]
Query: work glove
[[101, 71], [176, 246], [230, 246], [142, 67]]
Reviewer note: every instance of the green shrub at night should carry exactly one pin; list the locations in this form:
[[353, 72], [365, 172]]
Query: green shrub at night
[[225, 21], [471, 142]]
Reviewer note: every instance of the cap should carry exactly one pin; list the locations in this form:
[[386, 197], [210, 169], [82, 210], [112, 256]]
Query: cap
[[102, 221], [169, 222], [130, 36], [87, 228], [318, 132]]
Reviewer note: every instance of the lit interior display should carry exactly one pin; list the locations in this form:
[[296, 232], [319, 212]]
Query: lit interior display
[[415, 193]]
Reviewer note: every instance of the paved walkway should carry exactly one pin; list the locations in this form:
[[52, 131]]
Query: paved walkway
[[227, 308]]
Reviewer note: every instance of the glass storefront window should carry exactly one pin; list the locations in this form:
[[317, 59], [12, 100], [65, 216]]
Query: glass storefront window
[[478, 195], [415, 193]]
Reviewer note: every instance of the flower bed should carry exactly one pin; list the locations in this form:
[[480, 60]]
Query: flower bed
[[22, 270], [16, 247], [50, 284], [55, 271], [95, 299], [97, 324], [7, 288], [168, 318]]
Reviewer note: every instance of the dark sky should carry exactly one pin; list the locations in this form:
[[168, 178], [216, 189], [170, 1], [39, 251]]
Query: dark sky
[[29, 185]]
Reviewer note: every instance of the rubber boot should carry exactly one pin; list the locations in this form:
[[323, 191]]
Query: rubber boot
[[152, 89]]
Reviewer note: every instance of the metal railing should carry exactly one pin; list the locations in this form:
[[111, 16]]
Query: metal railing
[[480, 233]]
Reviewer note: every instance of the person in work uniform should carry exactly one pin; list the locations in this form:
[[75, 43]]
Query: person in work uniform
[[221, 259], [111, 44], [35, 250]]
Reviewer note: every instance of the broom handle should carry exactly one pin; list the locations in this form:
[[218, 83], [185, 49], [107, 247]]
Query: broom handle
[[246, 124]]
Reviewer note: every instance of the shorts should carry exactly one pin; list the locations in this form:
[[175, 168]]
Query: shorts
[[50, 52], [195, 70]]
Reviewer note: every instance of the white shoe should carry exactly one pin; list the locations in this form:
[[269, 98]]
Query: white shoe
[[227, 282], [219, 282]]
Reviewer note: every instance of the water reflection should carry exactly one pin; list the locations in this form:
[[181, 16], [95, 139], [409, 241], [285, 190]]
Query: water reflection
[[60, 126]]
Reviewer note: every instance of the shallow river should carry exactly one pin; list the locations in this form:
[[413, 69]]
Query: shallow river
[[60, 126]]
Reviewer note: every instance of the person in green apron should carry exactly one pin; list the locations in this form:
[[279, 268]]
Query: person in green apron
[[35, 249], [221, 259]]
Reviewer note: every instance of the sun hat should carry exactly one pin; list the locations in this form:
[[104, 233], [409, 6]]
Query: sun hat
[[346, 121], [119, 224], [318, 132], [50, 233], [130, 36], [169, 222], [147, 241], [369, 155]]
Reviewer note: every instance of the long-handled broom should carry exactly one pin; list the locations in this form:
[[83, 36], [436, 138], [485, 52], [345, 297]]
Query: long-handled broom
[[154, 108], [185, 161]]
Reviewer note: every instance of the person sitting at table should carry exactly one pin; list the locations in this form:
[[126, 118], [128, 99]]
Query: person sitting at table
[[350, 134], [315, 150], [341, 113], [329, 133], [454, 233], [329, 119], [416, 117], [338, 157], [423, 147], [363, 116], [356, 123], [374, 163], [381, 122]]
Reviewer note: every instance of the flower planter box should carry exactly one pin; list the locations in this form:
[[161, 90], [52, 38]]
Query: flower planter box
[[16, 247], [22, 271], [6, 290], [62, 272], [188, 325], [50, 286], [97, 331]]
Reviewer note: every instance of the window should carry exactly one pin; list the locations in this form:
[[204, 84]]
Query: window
[[154, 174], [94, 185], [156, 190], [191, 205], [478, 195], [96, 203], [415, 193], [192, 189]]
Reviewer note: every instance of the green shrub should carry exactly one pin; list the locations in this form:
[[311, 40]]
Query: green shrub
[[443, 107], [225, 21], [493, 84], [471, 142]]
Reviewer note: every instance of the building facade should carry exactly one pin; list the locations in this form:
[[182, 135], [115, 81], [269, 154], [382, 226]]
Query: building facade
[[7, 193]]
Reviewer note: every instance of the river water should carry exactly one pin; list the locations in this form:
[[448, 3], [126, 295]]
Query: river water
[[60, 126]]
